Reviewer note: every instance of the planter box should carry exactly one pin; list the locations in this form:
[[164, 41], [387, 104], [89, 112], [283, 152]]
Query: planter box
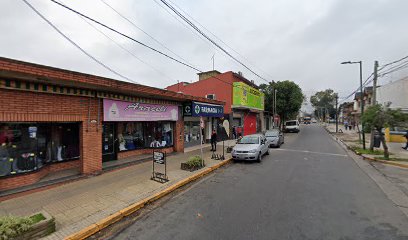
[[185, 166], [40, 229]]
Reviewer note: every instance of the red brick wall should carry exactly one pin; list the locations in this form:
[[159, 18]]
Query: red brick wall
[[33, 177], [221, 88], [19, 106]]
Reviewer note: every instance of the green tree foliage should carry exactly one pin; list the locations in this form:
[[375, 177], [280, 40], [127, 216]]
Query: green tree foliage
[[289, 98], [324, 100], [379, 117]]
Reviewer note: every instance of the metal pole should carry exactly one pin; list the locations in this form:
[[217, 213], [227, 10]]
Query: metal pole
[[275, 111], [337, 114], [362, 103], [374, 100]]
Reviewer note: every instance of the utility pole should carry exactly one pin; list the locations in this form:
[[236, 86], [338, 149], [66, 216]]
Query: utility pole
[[374, 101], [362, 104], [337, 114]]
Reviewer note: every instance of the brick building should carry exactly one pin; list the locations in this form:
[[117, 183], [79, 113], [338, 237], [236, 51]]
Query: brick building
[[53, 119], [244, 103]]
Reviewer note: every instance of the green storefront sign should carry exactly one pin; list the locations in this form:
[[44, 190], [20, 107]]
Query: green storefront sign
[[246, 96]]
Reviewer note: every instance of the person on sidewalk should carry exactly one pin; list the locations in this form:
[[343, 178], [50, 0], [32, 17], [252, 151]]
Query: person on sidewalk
[[346, 125], [406, 137], [213, 141]]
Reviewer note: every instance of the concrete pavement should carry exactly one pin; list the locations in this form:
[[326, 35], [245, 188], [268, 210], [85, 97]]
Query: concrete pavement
[[79, 204], [308, 189]]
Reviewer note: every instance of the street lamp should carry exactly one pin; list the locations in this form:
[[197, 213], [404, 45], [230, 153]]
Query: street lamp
[[361, 96]]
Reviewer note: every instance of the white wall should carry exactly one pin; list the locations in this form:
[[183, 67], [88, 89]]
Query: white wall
[[394, 92]]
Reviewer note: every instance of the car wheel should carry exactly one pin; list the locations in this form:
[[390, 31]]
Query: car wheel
[[267, 152], [278, 146], [259, 157]]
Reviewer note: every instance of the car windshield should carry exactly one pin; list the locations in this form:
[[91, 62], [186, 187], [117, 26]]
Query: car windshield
[[272, 134], [249, 140], [291, 123]]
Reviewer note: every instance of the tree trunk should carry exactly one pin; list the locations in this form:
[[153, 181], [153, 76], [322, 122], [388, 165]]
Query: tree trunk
[[372, 139], [386, 153]]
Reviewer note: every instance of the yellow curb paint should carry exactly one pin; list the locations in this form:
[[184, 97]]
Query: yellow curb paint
[[84, 233], [94, 228], [109, 220], [132, 208], [386, 162]]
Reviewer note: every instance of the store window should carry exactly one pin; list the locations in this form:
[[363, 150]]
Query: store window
[[26, 147], [192, 133], [137, 135]]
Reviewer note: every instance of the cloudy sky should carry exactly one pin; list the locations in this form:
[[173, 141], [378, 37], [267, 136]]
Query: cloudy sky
[[299, 40]]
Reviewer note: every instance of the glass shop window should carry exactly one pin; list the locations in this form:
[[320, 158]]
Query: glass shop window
[[26, 147], [137, 135]]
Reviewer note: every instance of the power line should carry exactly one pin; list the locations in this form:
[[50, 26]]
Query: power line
[[219, 39], [396, 68], [127, 50], [75, 44], [399, 60], [209, 39], [134, 25], [126, 36]]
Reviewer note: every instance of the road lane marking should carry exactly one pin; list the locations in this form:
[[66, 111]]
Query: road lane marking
[[305, 151]]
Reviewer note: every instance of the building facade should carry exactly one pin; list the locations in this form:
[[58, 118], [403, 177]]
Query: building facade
[[244, 103], [53, 119]]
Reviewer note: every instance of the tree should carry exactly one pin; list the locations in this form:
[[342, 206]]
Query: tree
[[324, 101], [379, 117], [289, 98]]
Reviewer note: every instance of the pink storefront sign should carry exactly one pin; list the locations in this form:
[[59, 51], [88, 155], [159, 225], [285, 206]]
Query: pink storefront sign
[[120, 111]]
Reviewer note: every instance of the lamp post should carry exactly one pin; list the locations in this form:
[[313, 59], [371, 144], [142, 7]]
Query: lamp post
[[361, 97], [274, 109]]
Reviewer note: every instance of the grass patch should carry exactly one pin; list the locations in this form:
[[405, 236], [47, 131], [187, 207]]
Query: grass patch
[[37, 218], [367, 151], [195, 161]]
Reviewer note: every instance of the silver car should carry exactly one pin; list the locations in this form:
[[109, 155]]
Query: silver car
[[275, 137], [251, 147]]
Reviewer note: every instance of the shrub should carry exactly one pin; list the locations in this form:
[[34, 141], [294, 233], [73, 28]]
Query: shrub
[[195, 161], [11, 227]]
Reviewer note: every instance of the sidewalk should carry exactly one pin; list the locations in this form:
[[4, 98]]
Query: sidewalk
[[80, 204], [351, 139]]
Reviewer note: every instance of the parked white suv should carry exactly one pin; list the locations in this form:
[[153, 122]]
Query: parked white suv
[[292, 126]]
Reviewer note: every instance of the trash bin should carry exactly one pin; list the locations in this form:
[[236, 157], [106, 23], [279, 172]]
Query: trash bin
[[377, 139]]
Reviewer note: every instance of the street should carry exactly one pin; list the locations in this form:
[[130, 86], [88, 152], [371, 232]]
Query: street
[[308, 189]]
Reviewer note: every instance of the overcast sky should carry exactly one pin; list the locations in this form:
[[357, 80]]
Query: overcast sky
[[298, 40]]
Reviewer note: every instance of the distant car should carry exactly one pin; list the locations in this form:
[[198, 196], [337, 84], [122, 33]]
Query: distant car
[[292, 126], [275, 138], [314, 120], [306, 120], [251, 147]]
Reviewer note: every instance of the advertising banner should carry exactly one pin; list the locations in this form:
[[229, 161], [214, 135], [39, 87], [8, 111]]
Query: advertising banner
[[120, 111], [247, 96]]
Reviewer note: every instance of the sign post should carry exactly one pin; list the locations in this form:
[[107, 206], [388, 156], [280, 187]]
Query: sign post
[[201, 138], [159, 158]]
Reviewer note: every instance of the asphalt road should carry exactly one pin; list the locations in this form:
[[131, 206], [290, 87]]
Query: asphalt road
[[308, 189]]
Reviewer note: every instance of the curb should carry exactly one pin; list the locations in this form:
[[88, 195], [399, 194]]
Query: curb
[[365, 157], [96, 227]]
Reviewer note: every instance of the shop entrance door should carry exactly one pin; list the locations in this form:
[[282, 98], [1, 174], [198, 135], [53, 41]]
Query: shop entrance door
[[109, 151]]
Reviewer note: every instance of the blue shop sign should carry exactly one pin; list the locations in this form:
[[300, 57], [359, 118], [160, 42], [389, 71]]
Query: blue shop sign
[[206, 110]]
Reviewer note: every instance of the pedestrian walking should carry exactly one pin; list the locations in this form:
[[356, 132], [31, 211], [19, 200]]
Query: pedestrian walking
[[234, 133], [346, 125], [406, 137], [213, 141]]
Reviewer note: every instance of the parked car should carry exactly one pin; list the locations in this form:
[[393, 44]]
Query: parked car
[[251, 147], [314, 120], [292, 126], [275, 138]]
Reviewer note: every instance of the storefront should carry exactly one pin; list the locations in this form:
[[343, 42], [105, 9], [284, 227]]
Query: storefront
[[26, 147], [132, 128], [195, 112], [247, 107]]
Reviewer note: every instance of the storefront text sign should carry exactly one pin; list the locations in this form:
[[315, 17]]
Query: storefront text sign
[[120, 111], [197, 109]]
